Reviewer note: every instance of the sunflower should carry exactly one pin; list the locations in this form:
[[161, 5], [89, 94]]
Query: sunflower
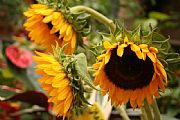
[[56, 83], [47, 26], [130, 73]]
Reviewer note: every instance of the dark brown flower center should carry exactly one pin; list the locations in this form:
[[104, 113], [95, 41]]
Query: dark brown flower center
[[128, 71]]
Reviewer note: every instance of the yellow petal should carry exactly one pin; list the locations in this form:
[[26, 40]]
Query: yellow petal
[[104, 92], [144, 56], [29, 13], [153, 86], [42, 79], [135, 48], [46, 86], [57, 15], [40, 71], [97, 65], [69, 30], [46, 12], [140, 99], [73, 41], [49, 81], [58, 108], [107, 57], [53, 92], [158, 62], [120, 50], [59, 77], [68, 37], [56, 21], [153, 49], [64, 28], [54, 30], [68, 102], [161, 84], [139, 54], [111, 90], [151, 56], [62, 83], [126, 40], [38, 6], [100, 76], [144, 47], [60, 24], [163, 72], [133, 104], [48, 19], [100, 57], [64, 93], [134, 94], [126, 95], [106, 44]]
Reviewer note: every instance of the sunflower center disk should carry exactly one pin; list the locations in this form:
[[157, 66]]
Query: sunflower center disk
[[128, 71]]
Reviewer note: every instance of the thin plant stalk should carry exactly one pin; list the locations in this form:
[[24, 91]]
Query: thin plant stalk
[[156, 111], [148, 110], [122, 112], [143, 115], [96, 15]]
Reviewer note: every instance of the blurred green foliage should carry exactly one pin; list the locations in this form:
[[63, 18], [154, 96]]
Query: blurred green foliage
[[138, 12]]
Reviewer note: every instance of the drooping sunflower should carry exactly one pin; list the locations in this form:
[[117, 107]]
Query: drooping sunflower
[[130, 72], [47, 26], [56, 83]]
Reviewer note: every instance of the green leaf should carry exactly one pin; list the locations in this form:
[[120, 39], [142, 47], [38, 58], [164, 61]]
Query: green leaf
[[4, 94], [81, 67], [149, 23], [159, 15]]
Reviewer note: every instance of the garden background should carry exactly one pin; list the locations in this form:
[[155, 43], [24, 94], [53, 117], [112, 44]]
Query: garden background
[[21, 97]]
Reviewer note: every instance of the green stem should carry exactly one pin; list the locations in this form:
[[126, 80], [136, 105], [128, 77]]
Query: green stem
[[156, 111], [148, 110], [144, 115], [122, 112], [101, 18]]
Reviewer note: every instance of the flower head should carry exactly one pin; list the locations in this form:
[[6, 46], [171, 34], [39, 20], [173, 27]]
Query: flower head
[[20, 57], [61, 82], [47, 26], [56, 82], [130, 72]]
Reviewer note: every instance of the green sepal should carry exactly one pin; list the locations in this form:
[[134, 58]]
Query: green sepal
[[80, 22], [173, 60], [147, 37], [160, 42], [136, 35]]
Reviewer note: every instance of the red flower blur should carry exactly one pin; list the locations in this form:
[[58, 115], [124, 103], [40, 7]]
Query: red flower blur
[[7, 110], [20, 57]]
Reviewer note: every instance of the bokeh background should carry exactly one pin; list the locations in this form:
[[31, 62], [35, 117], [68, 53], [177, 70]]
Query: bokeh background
[[21, 98]]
